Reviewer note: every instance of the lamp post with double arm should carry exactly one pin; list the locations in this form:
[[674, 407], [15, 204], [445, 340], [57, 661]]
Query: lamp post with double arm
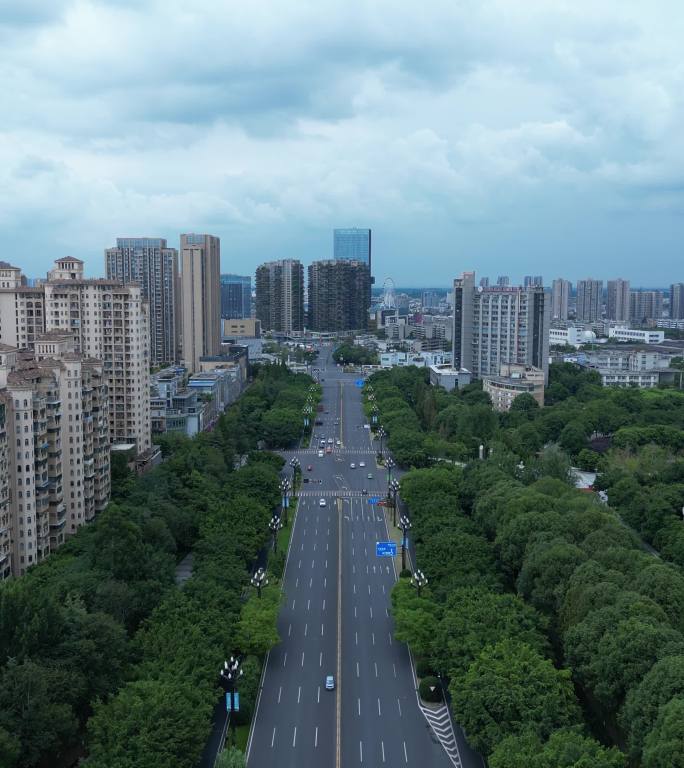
[[259, 580], [405, 525], [419, 580], [274, 526], [285, 500], [392, 490], [230, 673]]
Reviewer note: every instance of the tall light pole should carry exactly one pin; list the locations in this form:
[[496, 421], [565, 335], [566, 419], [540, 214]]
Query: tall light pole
[[285, 501], [392, 490], [230, 673], [259, 580], [419, 580], [381, 434], [274, 526], [390, 466], [405, 525], [296, 466]]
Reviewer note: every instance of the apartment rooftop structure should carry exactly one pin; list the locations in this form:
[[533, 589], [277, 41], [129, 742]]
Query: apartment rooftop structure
[[513, 381]]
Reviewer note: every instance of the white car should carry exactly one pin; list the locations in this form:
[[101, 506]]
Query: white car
[[330, 441], [352, 465], [362, 463], [329, 683], [338, 441], [321, 503], [320, 454]]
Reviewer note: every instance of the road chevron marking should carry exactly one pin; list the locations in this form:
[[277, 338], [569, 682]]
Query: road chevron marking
[[444, 731]]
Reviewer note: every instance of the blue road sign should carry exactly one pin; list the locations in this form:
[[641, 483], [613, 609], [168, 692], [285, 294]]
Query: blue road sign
[[359, 383], [373, 499], [237, 702], [385, 549]]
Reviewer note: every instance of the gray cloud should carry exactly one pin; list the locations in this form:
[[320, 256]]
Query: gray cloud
[[467, 128]]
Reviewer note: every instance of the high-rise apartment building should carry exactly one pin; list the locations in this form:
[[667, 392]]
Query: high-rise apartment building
[[431, 300], [560, 298], [108, 320], [22, 310], [533, 281], [617, 300], [503, 281], [151, 263], [200, 298], [353, 244], [677, 301], [55, 406], [589, 300], [484, 282], [236, 296], [280, 296], [645, 306], [337, 291], [499, 326], [5, 499]]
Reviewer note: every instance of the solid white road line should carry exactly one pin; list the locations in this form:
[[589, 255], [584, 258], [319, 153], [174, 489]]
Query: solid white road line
[[280, 693], [294, 736], [273, 738], [285, 659]]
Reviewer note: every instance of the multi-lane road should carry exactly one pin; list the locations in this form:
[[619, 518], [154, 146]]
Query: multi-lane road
[[335, 620]]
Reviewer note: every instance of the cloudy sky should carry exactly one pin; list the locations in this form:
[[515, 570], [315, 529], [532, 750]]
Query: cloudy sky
[[544, 136]]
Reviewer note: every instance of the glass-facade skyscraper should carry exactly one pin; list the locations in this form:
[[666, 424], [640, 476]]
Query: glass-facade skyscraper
[[236, 296], [352, 245]]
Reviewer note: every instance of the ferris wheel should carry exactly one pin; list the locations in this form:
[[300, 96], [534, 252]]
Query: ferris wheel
[[389, 300]]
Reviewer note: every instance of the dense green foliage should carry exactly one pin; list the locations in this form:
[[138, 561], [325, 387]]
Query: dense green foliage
[[534, 584], [353, 354], [99, 633]]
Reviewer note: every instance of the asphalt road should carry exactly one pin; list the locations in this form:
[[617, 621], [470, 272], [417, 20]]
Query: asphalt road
[[372, 718]]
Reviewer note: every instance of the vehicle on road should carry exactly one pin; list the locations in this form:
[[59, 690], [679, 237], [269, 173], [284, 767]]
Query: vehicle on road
[[365, 492], [369, 476], [338, 441], [306, 479], [329, 449], [330, 441], [362, 463], [329, 683], [321, 503], [321, 454], [352, 465], [309, 468]]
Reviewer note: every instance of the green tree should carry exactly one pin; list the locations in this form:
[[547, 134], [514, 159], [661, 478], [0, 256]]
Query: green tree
[[566, 748], [231, 758], [661, 683], [664, 746], [415, 618], [511, 690], [256, 631]]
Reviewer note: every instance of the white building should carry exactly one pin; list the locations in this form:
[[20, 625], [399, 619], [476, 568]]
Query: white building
[[108, 320], [420, 359], [643, 336], [448, 377], [575, 336]]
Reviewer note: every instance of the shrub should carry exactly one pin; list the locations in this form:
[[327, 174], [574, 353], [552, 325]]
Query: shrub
[[430, 689]]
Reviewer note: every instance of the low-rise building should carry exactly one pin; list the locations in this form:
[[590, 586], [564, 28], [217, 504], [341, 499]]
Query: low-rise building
[[241, 327], [513, 381], [640, 335], [448, 377], [420, 359], [677, 325], [573, 335]]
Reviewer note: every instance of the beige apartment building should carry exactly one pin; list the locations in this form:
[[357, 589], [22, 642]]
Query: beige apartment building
[[200, 293], [55, 448], [513, 381], [108, 321]]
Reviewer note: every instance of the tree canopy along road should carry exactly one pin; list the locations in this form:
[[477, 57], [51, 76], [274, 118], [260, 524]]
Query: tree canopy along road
[[336, 621]]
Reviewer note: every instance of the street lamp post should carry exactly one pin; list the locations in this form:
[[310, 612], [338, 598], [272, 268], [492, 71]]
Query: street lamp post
[[230, 673], [419, 580], [259, 580], [381, 434], [405, 525], [285, 501], [390, 466], [393, 489], [274, 526]]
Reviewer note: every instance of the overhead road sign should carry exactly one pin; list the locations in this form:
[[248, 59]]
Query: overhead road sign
[[373, 499], [385, 549], [359, 383]]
